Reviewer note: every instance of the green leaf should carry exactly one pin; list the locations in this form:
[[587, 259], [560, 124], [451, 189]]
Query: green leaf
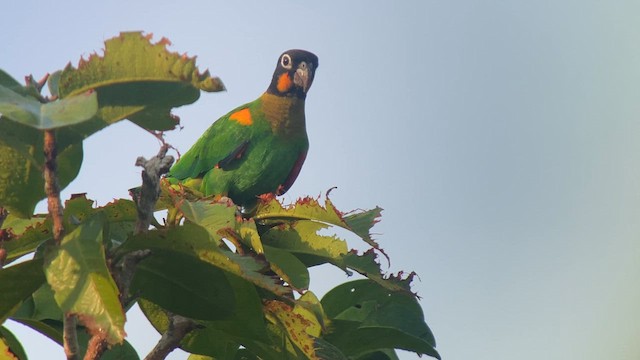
[[359, 223], [194, 240], [49, 328], [22, 162], [184, 285], [45, 305], [302, 239], [212, 216], [9, 82], [138, 80], [367, 317], [53, 330], [31, 112], [82, 284], [11, 344], [17, 283], [132, 56], [121, 216], [221, 338], [25, 235], [385, 354], [301, 329], [6, 352], [288, 267]]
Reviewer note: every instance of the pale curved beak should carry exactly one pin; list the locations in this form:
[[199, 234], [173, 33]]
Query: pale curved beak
[[302, 77]]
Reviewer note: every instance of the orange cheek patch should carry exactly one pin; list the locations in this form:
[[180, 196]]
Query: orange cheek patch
[[243, 117], [284, 83]]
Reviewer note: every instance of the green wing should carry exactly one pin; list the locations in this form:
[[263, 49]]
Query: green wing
[[220, 146]]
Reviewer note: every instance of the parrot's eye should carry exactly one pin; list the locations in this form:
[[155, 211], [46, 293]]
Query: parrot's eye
[[286, 61]]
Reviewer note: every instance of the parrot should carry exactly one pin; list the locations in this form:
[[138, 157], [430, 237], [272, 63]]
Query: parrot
[[257, 148]]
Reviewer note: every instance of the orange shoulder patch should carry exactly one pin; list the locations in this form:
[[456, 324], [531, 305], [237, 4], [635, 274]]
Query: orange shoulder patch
[[284, 83], [243, 117]]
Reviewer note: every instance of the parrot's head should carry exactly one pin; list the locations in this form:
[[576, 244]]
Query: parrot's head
[[294, 74]]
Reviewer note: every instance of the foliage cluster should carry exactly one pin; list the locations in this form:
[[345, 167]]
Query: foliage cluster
[[212, 282]]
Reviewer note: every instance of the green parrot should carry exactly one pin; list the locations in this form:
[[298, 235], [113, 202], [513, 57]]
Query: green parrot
[[259, 147]]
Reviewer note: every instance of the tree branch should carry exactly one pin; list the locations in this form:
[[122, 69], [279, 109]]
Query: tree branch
[[145, 198], [150, 190], [179, 327], [51, 185], [96, 347], [54, 203]]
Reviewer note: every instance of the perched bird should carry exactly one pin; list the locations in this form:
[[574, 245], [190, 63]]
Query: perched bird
[[259, 147]]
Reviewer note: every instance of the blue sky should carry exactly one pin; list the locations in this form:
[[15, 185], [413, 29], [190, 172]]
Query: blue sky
[[502, 138]]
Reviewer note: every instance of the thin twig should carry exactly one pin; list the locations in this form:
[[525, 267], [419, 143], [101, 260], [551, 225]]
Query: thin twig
[[179, 327], [54, 203], [3, 234]]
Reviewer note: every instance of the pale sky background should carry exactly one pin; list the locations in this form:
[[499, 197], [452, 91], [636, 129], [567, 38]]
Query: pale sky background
[[502, 138]]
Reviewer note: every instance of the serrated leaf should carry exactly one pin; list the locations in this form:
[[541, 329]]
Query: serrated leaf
[[367, 265], [302, 239], [138, 80], [367, 317], [184, 285], [310, 209], [17, 283], [132, 56], [82, 284]]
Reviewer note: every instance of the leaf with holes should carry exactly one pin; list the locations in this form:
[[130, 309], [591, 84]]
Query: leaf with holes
[[360, 223]]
